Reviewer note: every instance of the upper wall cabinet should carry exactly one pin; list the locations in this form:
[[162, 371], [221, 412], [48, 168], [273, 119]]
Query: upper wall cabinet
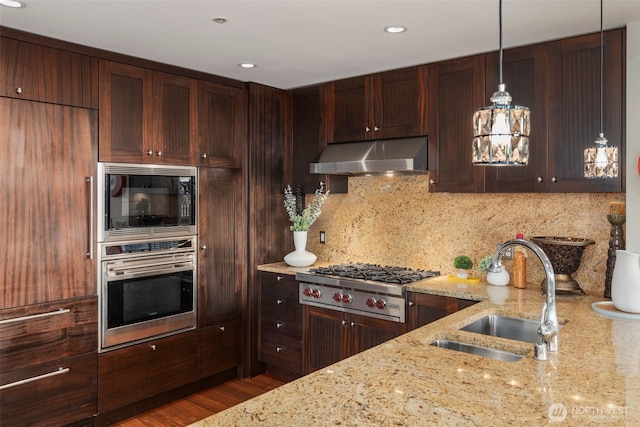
[[146, 116], [38, 73], [222, 125], [456, 90], [385, 105], [574, 108]]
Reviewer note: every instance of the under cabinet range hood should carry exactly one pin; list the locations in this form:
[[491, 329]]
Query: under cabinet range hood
[[380, 157]]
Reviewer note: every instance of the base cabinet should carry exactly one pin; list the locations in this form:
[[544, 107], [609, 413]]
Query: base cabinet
[[427, 308], [134, 373], [330, 336], [219, 348]]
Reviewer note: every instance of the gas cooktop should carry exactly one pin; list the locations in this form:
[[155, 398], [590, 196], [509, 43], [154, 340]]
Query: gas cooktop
[[375, 272]]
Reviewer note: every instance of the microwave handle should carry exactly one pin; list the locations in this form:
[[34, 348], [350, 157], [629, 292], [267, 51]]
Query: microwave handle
[[91, 236]]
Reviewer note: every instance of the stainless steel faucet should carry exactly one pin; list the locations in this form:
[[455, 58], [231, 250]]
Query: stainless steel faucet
[[549, 326]]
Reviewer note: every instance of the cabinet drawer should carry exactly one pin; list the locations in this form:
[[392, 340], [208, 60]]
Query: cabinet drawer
[[220, 348], [285, 309], [53, 393], [40, 333], [277, 354], [279, 285], [140, 371], [289, 334]]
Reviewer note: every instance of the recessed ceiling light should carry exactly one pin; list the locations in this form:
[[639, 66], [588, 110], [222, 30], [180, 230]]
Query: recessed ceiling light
[[220, 20], [12, 3], [247, 65], [394, 29]]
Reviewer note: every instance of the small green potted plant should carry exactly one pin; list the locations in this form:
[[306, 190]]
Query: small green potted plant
[[462, 264]]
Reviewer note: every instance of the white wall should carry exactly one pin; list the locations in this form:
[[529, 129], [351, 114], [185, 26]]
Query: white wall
[[633, 137]]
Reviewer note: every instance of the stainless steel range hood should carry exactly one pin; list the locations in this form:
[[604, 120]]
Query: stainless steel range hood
[[391, 156]]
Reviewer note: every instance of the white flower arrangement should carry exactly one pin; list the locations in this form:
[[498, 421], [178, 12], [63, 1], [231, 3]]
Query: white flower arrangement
[[303, 218]]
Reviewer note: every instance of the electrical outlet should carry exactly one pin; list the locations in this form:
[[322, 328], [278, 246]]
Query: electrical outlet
[[507, 253], [323, 237]]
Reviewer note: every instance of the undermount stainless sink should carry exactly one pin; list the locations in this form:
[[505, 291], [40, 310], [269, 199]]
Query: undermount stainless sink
[[512, 328], [491, 353]]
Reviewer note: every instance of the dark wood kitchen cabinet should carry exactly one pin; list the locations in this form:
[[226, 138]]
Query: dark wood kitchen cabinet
[[48, 374], [280, 325], [47, 156], [456, 91], [147, 116], [131, 374], [427, 308], [392, 104], [222, 125], [330, 336], [38, 73], [221, 274]]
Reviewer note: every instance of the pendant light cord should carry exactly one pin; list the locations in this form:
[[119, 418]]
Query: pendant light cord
[[500, 25], [601, 66]]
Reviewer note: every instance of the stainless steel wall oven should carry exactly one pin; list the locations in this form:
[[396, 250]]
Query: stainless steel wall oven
[[147, 288]]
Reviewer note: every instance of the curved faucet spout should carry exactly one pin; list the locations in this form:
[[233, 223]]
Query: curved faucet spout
[[549, 325]]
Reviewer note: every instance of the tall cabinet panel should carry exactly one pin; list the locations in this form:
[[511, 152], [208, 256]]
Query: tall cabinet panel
[[456, 91], [48, 153]]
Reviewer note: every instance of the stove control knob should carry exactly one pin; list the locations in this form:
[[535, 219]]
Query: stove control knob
[[307, 292], [381, 304], [371, 302], [316, 293], [346, 298], [337, 297]]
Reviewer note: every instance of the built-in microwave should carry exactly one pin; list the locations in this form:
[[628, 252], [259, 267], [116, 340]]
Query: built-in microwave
[[138, 201]]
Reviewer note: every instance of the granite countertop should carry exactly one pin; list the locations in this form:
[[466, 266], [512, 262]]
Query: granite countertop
[[594, 379]]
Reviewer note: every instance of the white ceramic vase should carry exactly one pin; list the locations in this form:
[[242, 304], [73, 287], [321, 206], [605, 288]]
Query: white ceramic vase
[[498, 279], [300, 257]]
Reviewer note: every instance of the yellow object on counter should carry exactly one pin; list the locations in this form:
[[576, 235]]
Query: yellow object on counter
[[469, 279]]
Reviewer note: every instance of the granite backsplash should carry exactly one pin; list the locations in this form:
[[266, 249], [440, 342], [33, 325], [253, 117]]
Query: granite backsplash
[[397, 221]]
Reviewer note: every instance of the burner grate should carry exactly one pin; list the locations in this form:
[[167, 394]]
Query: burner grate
[[376, 273]]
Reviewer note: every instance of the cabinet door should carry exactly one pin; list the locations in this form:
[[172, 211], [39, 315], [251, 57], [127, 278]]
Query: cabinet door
[[325, 338], [223, 125], [47, 154], [222, 245], [425, 308], [125, 113], [175, 119], [144, 370], [400, 103], [38, 73], [219, 348], [574, 108], [525, 76], [369, 332], [349, 110], [55, 393], [456, 91]]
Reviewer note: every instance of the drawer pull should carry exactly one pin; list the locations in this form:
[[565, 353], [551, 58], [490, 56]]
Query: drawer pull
[[279, 349], [279, 302], [221, 328], [279, 278], [35, 316], [36, 378], [279, 325]]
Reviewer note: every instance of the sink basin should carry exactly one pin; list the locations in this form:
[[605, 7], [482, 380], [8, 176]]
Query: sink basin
[[512, 328], [491, 353]]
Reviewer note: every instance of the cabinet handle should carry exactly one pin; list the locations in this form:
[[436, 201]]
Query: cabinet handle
[[221, 328], [432, 182], [367, 129], [554, 179], [344, 322], [91, 236], [279, 349], [149, 152], [152, 347], [279, 325], [18, 90], [36, 378], [411, 303], [539, 179], [203, 155], [35, 316], [159, 153], [279, 302], [376, 128], [279, 278], [203, 247], [353, 324]]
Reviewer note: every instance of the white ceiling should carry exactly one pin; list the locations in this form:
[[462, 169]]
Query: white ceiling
[[300, 42]]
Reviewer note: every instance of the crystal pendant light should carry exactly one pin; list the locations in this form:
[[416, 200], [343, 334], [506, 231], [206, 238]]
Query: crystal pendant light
[[501, 131], [601, 161]]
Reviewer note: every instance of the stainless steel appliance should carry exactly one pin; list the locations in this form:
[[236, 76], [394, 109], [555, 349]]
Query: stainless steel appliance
[[143, 201], [365, 289], [147, 289]]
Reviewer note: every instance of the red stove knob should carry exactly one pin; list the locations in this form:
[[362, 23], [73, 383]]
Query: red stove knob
[[337, 297], [316, 293], [371, 302], [346, 298], [381, 304], [307, 292]]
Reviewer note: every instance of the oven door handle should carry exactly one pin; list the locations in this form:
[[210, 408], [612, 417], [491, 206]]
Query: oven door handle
[[118, 273]]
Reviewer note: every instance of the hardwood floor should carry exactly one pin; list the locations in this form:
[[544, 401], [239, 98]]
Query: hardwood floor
[[200, 405]]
